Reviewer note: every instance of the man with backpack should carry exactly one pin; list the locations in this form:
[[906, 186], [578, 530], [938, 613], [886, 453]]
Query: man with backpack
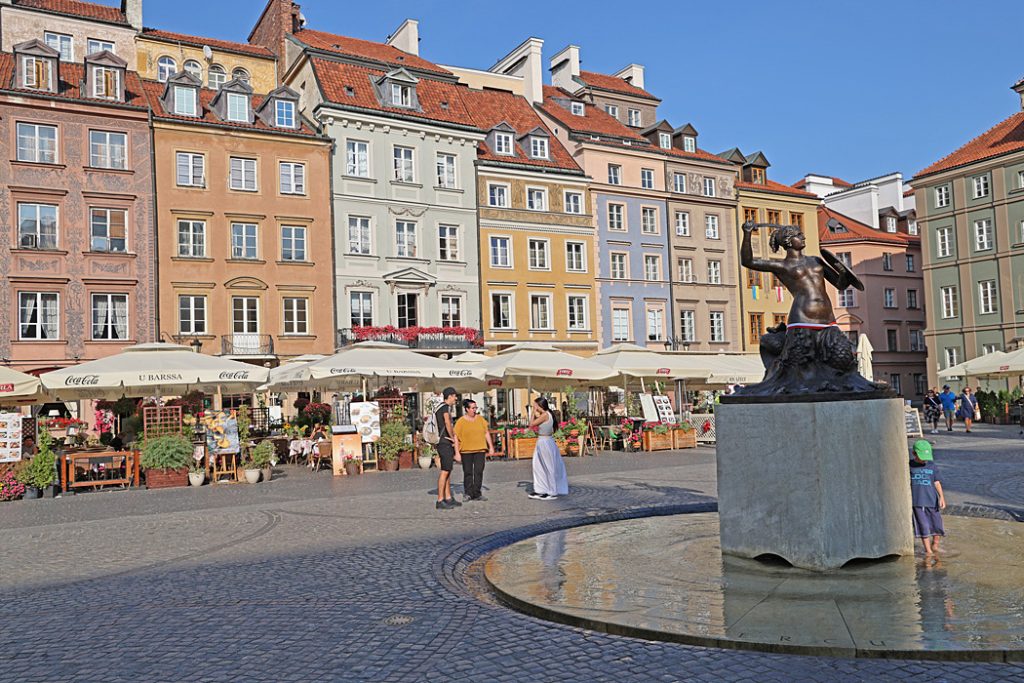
[[440, 431]]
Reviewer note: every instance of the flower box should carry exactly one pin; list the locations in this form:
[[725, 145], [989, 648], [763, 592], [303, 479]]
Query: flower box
[[654, 441], [165, 479], [684, 438], [523, 448]]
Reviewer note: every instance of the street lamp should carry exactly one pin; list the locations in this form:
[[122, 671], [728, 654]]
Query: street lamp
[[196, 344]]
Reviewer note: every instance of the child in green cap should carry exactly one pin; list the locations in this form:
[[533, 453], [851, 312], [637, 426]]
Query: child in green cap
[[927, 498]]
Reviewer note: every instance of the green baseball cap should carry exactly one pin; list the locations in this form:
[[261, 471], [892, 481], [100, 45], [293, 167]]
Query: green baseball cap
[[923, 450]]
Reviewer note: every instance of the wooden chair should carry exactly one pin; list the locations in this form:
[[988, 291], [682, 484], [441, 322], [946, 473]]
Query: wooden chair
[[319, 453], [589, 446], [603, 439]]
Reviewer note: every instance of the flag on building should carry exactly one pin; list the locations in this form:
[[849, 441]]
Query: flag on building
[[779, 292]]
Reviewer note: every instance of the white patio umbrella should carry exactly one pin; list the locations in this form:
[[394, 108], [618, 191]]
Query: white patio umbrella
[[990, 362], [289, 371], [631, 360], [864, 353], [469, 357], [992, 366], [18, 387], [727, 369], [157, 369], [542, 366]]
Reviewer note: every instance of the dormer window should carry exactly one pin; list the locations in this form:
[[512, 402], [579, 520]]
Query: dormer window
[[195, 68], [240, 74], [577, 108], [106, 83], [757, 176], [664, 140], [104, 76], [890, 224], [539, 147], [689, 144], [36, 66], [401, 95], [503, 143], [238, 107], [184, 100], [279, 108], [165, 68], [284, 114], [37, 73]]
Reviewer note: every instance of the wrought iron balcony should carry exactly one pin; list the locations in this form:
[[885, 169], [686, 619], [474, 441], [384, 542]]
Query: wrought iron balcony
[[247, 345], [423, 338]]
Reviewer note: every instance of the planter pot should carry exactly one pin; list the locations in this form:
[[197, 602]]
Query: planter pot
[[657, 442], [425, 461], [165, 479], [684, 438], [239, 473], [389, 465], [31, 493], [351, 467], [405, 460], [523, 448], [267, 473], [252, 476], [562, 446], [196, 478]]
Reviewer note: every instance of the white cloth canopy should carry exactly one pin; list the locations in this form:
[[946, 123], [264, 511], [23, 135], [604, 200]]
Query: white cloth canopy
[[997, 365], [636, 361], [17, 387], [727, 369], [865, 352], [542, 366], [990, 362], [157, 369]]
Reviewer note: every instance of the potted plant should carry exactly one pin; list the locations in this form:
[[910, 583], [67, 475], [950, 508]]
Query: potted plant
[[38, 474], [632, 438], [393, 435], [250, 470], [196, 473], [427, 453], [10, 487], [352, 463], [262, 455], [656, 436], [684, 436], [523, 441], [166, 461]]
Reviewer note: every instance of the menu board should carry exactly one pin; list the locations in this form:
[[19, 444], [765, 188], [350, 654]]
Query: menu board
[[366, 419], [10, 437], [665, 412], [913, 418], [650, 411]]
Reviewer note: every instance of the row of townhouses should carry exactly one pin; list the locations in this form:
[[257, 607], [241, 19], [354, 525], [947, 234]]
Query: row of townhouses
[[305, 190]]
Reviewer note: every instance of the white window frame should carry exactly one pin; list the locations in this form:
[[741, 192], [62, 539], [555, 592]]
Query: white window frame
[[538, 253], [539, 147], [634, 117], [36, 208], [446, 301], [197, 314], [572, 263], [28, 72], [504, 299], [447, 171], [687, 325], [711, 227], [890, 224], [943, 242], [99, 83], [404, 246], [193, 67], [577, 108], [582, 304], [363, 297], [247, 235], [191, 247], [714, 272], [647, 178], [40, 308], [291, 177], [357, 158], [188, 103], [614, 174], [37, 152], [847, 297], [616, 273], [299, 249], [107, 213], [665, 140], [449, 242], [360, 235], [284, 114], [612, 110], [622, 307], [247, 169], [503, 144], [572, 202], [221, 76], [255, 322], [655, 260], [649, 220], [709, 186], [889, 297], [190, 160], [689, 143], [685, 264], [403, 164], [111, 328], [94, 45], [941, 196], [548, 311], [401, 95], [532, 193], [980, 185], [56, 41], [950, 301], [988, 297], [917, 340], [655, 333], [716, 319], [682, 223], [679, 182], [237, 107], [298, 314], [504, 194], [621, 215], [983, 237], [106, 141], [499, 249], [952, 356]]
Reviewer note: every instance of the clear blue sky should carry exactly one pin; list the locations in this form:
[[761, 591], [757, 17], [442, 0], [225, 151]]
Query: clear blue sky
[[852, 89]]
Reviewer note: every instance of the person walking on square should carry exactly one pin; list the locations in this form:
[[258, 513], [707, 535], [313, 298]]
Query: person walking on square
[[948, 400], [472, 446], [927, 498], [549, 477], [932, 410], [968, 408], [446, 450]]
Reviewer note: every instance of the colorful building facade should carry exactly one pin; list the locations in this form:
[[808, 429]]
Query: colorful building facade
[[214, 62]]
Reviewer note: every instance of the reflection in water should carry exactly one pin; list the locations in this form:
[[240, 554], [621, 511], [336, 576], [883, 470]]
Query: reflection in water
[[550, 551]]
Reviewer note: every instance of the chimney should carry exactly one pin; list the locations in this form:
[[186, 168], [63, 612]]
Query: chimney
[[525, 62], [407, 37], [132, 10], [564, 67], [633, 74], [1018, 88], [279, 18]]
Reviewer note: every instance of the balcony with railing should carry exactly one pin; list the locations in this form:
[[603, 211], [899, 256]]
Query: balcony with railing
[[247, 344], [421, 338]]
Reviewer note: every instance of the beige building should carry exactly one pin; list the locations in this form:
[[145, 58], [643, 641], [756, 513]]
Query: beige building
[[214, 62], [73, 29]]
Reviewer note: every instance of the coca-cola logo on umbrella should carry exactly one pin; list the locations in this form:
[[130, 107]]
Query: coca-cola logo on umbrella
[[459, 373], [6, 388], [343, 371], [81, 380], [234, 374]]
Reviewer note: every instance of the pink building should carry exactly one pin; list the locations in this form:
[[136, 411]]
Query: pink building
[[891, 309]]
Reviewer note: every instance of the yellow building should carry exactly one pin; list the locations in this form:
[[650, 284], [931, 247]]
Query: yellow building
[[764, 301], [214, 62]]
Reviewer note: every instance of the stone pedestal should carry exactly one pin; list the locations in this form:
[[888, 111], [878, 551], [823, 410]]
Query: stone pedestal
[[817, 484]]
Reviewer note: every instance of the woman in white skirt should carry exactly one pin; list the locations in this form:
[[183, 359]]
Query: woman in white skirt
[[549, 478]]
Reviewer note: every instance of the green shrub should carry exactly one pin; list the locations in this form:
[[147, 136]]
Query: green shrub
[[40, 471], [392, 440], [263, 454], [170, 452]]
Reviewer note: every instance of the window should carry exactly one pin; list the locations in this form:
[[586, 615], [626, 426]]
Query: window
[[217, 76], [980, 185], [106, 83], [195, 68], [890, 224], [687, 327], [717, 320], [886, 261], [245, 318], [774, 216], [573, 202], [165, 68], [107, 228], [191, 239], [243, 174], [358, 235], [501, 252], [190, 169], [191, 314], [540, 312], [536, 199], [942, 196], [296, 315], [647, 178], [920, 385], [448, 242], [401, 95], [620, 324], [62, 43], [655, 324], [293, 243], [982, 235], [292, 177], [107, 150], [284, 114], [614, 174], [360, 309], [616, 217], [575, 257], [652, 267], [711, 227], [403, 164], [987, 297], [912, 227], [709, 187], [679, 182], [779, 319], [912, 299], [37, 144], [683, 223], [405, 239], [576, 310], [989, 348], [240, 74], [408, 310], [649, 220], [714, 272], [38, 315], [576, 108], [243, 241], [538, 147], [685, 269], [238, 107], [110, 316], [846, 258], [451, 311], [37, 226], [184, 101], [357, 158], [917, 340], [889, 298], [503, 143], [37, 73], [749, 215], [612, 110], [894, 382], [910, 263], [537, 250], [943, 241], [501, 311], [753, 278], [446, 170], [634, 118], [950, 301], [664, 140], [497, 195], [756, 328], [689, 144], [952, 356], [94, 46], [847, 297], [619, 269], [757, 176]]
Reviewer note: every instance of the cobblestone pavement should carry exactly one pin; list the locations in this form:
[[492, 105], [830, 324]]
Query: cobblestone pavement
[[312, 578]]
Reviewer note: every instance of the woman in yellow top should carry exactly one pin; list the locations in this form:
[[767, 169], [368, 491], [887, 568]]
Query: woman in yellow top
[[472, 446]]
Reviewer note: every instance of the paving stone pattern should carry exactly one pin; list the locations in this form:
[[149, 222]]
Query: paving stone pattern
[[314, 578]]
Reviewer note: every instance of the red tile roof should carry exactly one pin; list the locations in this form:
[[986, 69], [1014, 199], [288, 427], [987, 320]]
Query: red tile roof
[[154, 90], [433, 96], [1006, 136], [365, 49], [71, 77], [836, 182], [75, 8], [698, 154], [775, 188], [614, 84], [856, 231], [594, 120], [488, 108], [214, 43]]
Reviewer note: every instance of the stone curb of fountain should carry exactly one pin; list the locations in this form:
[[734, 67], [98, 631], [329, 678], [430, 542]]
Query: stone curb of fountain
[[1005, 513]]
